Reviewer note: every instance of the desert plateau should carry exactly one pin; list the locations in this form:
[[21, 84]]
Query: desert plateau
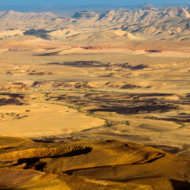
[[95, 101]]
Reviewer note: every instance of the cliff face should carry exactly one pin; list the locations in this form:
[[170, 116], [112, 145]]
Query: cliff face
[[142, 15]]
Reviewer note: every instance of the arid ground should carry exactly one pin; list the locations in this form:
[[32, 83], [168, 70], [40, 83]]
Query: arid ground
[[76, 112]]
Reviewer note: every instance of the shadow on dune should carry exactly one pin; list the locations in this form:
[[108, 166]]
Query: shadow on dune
[[81, 64], [180, 185]]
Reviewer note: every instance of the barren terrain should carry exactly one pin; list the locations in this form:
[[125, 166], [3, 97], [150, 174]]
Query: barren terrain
[[76, 103]]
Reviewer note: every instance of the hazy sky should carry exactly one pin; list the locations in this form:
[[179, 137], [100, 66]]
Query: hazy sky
[[85, 2]]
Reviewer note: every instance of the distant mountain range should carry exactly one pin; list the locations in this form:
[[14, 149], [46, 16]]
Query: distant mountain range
[[142, 23], [20, 16], [145, 13], [68, 10]]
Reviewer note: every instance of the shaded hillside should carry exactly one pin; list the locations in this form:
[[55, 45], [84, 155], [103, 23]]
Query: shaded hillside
[[85, 14]]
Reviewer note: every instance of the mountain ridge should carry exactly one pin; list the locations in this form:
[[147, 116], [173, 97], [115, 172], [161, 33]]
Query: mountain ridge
[[125, 15], [170, 23], [69, 10], [146, 13]]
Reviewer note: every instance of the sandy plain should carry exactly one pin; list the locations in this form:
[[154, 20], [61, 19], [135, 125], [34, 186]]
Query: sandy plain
[[143, 96]]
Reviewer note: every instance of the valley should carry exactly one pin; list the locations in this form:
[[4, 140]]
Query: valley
[[95, 100]]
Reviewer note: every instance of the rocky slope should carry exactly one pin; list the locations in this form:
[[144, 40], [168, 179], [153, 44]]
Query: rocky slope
[[146, 14], [106, 165], [171, 28]]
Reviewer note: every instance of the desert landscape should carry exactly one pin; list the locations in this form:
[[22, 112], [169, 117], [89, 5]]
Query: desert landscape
[[95, 101]]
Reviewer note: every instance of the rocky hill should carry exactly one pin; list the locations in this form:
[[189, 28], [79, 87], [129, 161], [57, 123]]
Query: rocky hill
[[146, 13], [169, 23], [124, 15], [170, 28], [91, 165]]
